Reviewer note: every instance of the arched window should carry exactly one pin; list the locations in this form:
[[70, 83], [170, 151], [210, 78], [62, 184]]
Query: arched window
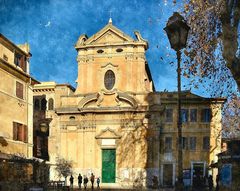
[[36, 104], [43, 104], [109, 79], [50, 104]]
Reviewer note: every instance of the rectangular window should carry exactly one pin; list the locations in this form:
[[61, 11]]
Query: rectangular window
[[185, 143], [20, 132], [169, 115], [206, 144], [192, 143], [206, 115], [193, 115], [19, 90], [168, 144], [184, 115]]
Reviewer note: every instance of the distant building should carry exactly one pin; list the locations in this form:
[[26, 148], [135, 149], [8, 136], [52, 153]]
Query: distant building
[[201, 136], [115, 125], [44, 100], [229, 164]]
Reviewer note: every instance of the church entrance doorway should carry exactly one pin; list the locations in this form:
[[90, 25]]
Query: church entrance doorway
[[108, 165]]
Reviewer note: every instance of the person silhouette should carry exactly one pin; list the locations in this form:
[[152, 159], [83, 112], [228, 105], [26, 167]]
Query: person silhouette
[[92, 179], [85, 181], [98, 182], [71, 181], [79, 180]]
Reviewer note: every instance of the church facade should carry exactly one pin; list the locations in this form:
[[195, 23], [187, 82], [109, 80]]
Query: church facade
[[115, 125]]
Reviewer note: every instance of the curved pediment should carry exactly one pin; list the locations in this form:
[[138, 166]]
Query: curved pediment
[[87, 99], [107, 100], [128, 98]]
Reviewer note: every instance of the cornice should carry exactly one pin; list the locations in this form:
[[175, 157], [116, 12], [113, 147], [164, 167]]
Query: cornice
[[14, 70], [132, 43], [11, 46]]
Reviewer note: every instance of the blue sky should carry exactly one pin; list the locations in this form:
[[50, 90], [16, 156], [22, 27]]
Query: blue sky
[[52, 27]]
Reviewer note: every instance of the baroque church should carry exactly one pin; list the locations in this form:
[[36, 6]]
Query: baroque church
[[115, 125]]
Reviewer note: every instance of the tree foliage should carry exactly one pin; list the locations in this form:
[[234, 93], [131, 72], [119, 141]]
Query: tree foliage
[[213, 47], [231, 118], [63, 167]]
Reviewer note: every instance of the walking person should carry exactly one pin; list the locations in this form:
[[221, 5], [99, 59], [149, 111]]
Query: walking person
[[92, 179], [210, 183], [71, 181], [79, 180], [85, 181], [217, 181], [98, 182]]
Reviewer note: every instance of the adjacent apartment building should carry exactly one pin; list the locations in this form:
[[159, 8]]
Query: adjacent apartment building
[[16, 97], [116, 125]]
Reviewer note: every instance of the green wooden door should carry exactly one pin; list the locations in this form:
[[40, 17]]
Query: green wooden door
[[108, 165]]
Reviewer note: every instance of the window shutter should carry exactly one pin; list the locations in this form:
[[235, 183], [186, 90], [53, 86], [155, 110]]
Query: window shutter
[[20, 132], [23, 63], [14, 131], [25, 134], [19, 90]]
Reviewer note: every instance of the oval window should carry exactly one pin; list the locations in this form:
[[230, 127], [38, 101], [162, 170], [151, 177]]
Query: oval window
[[109, 79], [100, 51], [119, 50]]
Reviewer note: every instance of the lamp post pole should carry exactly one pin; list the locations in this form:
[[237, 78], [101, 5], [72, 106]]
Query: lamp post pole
[[179, 121], [177, 32]]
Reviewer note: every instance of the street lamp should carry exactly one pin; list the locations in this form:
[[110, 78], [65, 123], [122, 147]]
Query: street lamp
[[43, 127], [177, 32]]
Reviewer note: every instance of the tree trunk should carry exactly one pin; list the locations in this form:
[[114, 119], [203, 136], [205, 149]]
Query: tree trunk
[[230, 25], [65, 183]]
